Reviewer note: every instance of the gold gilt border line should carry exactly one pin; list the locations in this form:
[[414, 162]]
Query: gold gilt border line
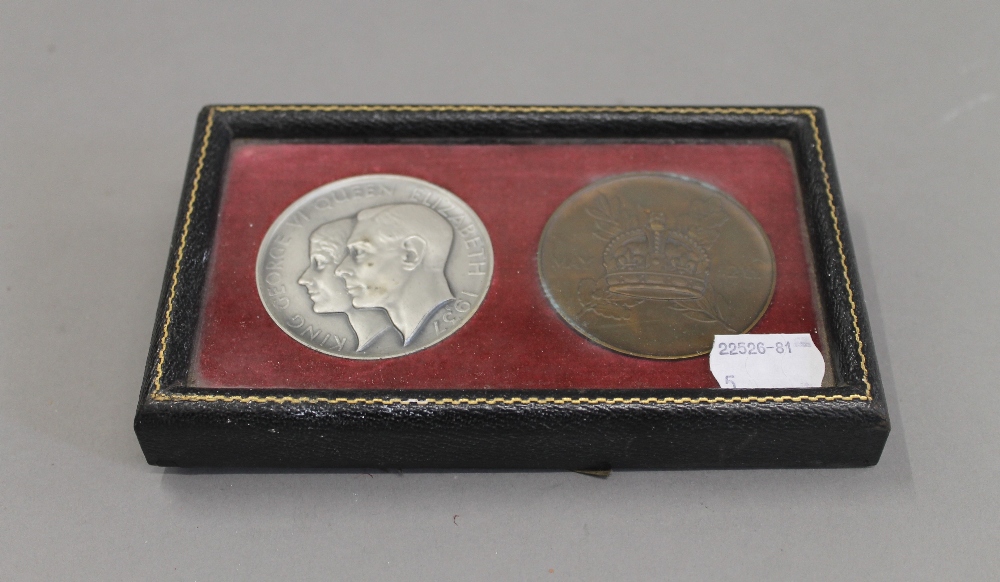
[[159, 394]]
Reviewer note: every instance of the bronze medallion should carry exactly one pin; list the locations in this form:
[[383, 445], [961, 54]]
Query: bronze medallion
[[655, 265]]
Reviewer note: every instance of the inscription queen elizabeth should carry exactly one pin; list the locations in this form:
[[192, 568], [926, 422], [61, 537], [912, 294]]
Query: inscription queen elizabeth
[[387, 265]]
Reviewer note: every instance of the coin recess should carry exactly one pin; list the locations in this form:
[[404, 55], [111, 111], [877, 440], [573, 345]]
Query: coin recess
[[374, 266], [654, 265]]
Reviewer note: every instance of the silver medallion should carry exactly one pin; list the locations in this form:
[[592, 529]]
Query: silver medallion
[[374, 266]]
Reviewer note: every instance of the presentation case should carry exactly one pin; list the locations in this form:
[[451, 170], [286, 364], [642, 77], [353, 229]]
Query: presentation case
[[515, 386]]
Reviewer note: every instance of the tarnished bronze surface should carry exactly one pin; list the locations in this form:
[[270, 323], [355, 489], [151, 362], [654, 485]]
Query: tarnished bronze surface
[[654, 265]]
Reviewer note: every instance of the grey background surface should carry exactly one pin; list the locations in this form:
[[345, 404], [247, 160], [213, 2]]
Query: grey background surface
[[97, 107]]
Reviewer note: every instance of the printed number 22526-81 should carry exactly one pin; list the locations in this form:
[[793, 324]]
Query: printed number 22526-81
[[752, 348]]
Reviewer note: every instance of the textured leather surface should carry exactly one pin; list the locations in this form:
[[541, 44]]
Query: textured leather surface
[[513, 436], [846, 426]]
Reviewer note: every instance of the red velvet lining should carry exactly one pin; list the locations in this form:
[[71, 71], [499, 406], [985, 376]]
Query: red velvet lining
[[515, 340]]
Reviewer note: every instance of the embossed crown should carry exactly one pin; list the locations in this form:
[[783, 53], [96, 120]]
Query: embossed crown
[[654, 262]]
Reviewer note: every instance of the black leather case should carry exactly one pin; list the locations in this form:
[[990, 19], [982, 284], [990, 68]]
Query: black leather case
[[841, 426]]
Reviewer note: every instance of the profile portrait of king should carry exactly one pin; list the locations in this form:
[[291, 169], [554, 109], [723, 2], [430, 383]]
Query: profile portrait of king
[[396, 259]]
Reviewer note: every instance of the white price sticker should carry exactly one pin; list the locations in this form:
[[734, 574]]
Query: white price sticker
[[774, 360]]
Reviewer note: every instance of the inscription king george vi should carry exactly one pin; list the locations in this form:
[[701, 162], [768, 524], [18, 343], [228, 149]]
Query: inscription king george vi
[[655, 265], [374, 266]]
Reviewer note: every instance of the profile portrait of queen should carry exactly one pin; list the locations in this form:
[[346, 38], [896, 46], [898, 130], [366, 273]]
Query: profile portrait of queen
[[328, 291]]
